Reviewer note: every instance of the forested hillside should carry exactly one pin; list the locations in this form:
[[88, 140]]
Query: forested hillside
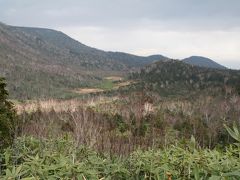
[[41, 62], [177, 78]]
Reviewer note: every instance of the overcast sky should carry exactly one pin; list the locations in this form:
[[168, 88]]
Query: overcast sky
[[174, 28]]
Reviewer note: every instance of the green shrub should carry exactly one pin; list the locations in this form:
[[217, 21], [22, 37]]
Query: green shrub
[[121, 124], [61, 159]]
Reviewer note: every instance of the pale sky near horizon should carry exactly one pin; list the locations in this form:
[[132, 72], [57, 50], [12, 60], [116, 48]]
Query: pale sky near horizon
[[174, 28]]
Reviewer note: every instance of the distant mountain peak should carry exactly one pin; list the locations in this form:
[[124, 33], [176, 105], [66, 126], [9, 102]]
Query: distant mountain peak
[[203, 62], [158, 57]]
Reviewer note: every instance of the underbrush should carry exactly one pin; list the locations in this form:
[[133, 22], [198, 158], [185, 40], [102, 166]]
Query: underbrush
[[32, 158]]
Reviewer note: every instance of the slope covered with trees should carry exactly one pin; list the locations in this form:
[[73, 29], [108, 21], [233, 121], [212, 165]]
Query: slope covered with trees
[[177, 78], [41, 62]]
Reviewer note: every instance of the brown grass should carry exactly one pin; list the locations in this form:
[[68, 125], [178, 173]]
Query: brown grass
[[88, 90], [62, 105], [114, 78]]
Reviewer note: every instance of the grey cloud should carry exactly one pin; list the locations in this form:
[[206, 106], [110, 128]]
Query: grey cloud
[[188, 14], [179, 28]]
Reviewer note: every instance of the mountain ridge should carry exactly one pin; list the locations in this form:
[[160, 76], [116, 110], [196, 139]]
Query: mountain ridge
[[203, 62], [41, 62], [48, 61]]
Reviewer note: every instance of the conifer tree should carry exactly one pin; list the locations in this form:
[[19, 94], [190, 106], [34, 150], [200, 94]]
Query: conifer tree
[[7, 117]]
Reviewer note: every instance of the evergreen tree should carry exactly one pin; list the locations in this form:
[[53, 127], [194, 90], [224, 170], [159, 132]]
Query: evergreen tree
[[7, 117]]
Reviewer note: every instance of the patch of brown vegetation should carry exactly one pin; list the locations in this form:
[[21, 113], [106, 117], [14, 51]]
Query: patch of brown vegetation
[[114, 78], [88, 90], [62, 105]]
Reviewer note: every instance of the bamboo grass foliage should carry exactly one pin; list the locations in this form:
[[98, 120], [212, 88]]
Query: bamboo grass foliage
[[32, 158]]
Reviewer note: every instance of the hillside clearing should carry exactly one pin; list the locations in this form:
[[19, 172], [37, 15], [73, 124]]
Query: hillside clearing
[[88, 90], [114, 78]]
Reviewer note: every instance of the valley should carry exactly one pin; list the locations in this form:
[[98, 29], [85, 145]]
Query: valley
[[70, 111]]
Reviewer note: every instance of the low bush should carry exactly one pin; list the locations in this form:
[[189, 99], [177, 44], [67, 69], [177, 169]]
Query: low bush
[[60, 159]]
